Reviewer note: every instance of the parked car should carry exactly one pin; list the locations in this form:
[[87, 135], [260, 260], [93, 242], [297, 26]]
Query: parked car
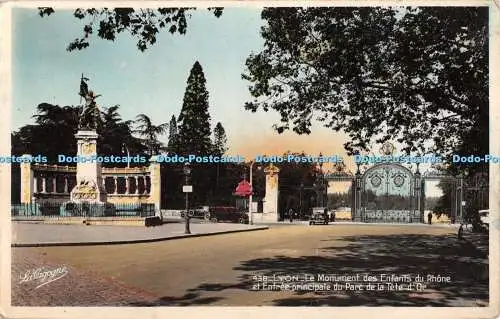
[[227, 214], [200, 212], [484, 216], [477, 223], [319, 216]]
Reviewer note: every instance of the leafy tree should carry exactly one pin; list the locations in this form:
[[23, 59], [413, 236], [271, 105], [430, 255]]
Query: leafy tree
[[51, 135], [413, 74], [115, 134], [220, 140], [194, 120], [54, 133], [192, 135], [444, 204], [143, 24], [150, 133], [219, 148], [337, 200], [431, 202]]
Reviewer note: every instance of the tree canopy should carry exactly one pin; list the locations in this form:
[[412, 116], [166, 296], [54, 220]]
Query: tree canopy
[[172, 135], [414, 75], [143, 24], [55, 127], [220, 140], [150, 132], [194, 120]]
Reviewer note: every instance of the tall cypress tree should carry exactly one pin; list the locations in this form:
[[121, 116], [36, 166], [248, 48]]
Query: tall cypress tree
[[194, 120], [173, 143], [220, 139]]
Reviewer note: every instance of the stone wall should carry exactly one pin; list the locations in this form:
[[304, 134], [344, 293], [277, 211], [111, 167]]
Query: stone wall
[[52, 183]]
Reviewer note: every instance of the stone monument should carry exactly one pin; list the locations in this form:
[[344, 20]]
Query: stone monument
[[89, 183], [270, 212]]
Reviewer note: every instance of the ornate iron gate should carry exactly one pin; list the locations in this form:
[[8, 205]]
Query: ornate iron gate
[[388, 193]]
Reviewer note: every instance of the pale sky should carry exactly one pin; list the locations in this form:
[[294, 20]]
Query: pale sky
[[153, 82]]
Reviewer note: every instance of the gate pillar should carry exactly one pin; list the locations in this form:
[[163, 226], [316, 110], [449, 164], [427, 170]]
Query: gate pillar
[[418, 196], [459, 195], [357, 197]]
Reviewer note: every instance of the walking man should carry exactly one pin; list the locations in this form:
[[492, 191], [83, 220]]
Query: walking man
[[429, 218], [290, 214]]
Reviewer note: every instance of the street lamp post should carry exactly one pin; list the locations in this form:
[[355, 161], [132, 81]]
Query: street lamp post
[[300, 198], [321, 183], [187, 172], [250, 197], [124, 147], [325, 191]]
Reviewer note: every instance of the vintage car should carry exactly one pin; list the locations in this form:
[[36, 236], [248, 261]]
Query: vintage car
[[477, 223], [484, 216], [319, 216], [217, 214]]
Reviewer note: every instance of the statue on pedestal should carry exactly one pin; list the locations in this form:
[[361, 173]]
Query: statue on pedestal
[[89, 179], [90, 112]]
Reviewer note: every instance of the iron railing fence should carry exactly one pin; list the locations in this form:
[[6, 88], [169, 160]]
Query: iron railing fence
[[70, 209], [390, 216]]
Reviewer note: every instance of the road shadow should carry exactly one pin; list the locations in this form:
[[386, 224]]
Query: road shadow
[[409, 254], [189, 299]]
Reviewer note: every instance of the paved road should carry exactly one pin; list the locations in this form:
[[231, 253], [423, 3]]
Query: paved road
[[53, 234], [220, 270]]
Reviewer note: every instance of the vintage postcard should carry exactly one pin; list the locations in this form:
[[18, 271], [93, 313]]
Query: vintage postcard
[[240, 159]]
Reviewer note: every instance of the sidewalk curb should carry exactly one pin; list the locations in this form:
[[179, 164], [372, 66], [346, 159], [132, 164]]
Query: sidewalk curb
[[139, 241], [342, 223]]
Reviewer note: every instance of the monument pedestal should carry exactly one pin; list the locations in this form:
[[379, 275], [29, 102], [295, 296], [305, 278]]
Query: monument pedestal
[[89, 183]]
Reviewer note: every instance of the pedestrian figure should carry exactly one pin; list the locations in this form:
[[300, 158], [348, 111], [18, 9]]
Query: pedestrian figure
[[325, 215], [461, 232], [290, 214], [429, 218]]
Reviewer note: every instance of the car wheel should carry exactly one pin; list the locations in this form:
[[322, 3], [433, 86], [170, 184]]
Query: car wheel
[[213, 220], [310, 223]]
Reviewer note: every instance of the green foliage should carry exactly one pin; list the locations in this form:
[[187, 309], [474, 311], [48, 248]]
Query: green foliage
[[51, 135], [173, 143], [291, 177], [444, 204], [143, 24], [116, 134], [54, 133], [150, 132], [194, 119], [419, 77], [337, 200], [431, 203], [220, 140]]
